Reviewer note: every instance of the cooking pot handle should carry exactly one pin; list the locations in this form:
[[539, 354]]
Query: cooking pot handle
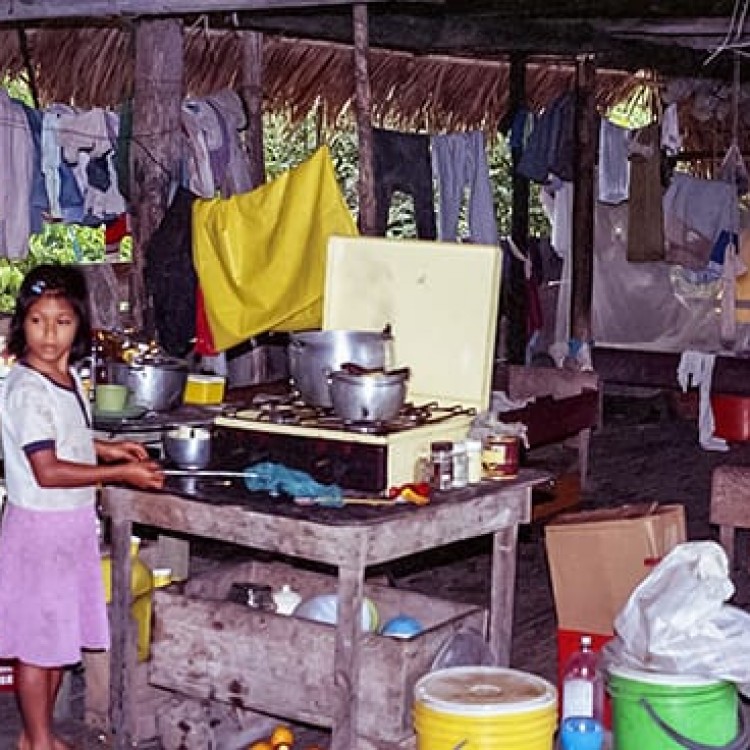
[[740, 742]]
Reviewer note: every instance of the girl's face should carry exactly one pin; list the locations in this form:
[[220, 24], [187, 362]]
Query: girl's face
[[50, 327]]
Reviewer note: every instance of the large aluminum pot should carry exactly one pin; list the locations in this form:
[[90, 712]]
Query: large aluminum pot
[[314, 355], [156, 383], [368, 397]]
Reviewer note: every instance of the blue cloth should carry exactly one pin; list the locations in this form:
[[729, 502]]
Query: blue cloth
[[277, 479]]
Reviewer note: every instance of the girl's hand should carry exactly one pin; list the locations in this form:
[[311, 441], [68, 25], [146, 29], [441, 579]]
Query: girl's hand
[[146, 475], [122, 450]]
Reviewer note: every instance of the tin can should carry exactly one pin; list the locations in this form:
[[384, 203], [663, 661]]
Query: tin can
[[441, 459], [500, 456]]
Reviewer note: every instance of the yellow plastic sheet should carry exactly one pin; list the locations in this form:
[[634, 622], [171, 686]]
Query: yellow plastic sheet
[[260, 256]]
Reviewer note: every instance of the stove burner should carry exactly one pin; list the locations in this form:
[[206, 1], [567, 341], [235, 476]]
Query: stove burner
[[290, 410]]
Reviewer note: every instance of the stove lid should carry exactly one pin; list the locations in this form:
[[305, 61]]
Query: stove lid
[[440, 299]]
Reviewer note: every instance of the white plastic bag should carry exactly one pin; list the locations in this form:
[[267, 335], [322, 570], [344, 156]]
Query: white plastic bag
[[677, 620]]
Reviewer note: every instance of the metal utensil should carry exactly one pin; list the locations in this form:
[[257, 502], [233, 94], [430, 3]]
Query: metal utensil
[[217, 473]]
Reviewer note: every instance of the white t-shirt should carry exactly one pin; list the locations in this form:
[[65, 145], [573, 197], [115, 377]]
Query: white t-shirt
[[37, 413]]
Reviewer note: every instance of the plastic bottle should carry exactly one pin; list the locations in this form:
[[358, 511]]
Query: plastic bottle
[[583, 684]]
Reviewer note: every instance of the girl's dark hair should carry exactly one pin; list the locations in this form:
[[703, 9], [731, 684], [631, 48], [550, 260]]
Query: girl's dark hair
[[58, 281]]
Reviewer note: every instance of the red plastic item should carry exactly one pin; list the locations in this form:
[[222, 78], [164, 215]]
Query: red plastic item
[[568, 642], [731, 417]]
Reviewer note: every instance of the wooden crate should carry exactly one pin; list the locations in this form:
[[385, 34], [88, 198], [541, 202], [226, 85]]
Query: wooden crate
[[205, 646]]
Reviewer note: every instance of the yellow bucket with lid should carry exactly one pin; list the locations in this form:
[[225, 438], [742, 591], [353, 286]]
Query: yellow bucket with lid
[[484, 708]]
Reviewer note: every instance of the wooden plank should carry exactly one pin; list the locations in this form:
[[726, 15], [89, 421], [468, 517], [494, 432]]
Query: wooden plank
[[502, 593], [36, 10]]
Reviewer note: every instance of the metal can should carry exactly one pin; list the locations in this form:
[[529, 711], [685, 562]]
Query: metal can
[[441, 459], [500, 456]]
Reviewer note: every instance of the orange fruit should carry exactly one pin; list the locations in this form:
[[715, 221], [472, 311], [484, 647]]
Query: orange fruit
[[261, 745], [282, 738]]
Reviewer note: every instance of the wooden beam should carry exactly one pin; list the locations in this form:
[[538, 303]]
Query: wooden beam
[[584, 159], [363, 112], [156, 145], [37, 10], [252, 95], [515, 290]]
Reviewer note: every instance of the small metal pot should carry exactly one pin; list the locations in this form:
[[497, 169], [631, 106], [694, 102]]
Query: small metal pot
[[314, 355], [188, 447], [369, 396], [156, 383]]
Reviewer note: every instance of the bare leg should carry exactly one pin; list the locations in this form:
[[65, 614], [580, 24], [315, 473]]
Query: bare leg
[[36, 690]]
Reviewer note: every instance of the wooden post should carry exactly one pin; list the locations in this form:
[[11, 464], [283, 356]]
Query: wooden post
[[582, 276], [155, 150], [252, 95], [515, 286], [363, 108]]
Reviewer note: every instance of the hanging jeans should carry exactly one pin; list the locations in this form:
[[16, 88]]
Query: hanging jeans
[[401, 161], [459, 161]]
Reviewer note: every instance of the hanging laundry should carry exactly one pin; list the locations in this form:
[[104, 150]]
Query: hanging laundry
[[695, 212], [17, 159], [215, 160], [551, 146], [645, 214], [260, 256], [401, 161], [170, 277], [671, 138], [459, 163], [613, 164]]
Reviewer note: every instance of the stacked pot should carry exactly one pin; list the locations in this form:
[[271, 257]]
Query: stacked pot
[[347, 371]]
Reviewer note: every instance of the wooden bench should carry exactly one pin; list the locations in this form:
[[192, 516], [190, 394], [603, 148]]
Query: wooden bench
[[730, 506]]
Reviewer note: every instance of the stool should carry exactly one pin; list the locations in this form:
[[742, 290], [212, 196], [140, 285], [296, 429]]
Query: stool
[[730, 505]]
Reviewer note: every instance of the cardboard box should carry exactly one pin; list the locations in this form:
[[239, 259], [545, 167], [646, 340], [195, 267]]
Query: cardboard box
[[596, 559]]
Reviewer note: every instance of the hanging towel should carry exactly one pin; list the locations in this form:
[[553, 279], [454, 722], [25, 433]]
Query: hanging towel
[[696, 369], [260, 256]]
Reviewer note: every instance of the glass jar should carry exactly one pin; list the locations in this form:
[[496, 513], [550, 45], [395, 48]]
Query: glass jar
[[441, 459], [500, 457], [460, 465], [474, 460]]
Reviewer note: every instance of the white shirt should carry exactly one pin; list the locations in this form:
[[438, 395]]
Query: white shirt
[[38, 413]]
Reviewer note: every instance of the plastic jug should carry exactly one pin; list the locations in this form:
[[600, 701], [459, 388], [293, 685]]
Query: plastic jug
[[141, 585]]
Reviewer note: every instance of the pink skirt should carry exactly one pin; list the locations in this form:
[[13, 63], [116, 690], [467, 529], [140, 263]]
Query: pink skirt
[[51, 589]]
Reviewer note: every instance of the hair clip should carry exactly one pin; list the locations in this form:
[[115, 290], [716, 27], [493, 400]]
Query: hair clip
[[39, 287]]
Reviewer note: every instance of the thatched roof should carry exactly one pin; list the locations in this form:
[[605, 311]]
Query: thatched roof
[[92, 66]]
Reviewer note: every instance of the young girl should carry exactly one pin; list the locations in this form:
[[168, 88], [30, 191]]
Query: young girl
[[51, 590]]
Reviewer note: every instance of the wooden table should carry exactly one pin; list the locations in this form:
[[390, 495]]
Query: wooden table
[[350, 539]]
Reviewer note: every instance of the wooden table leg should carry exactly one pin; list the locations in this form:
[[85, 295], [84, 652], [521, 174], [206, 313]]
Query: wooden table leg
[[347, 658], [122, 658], [502, 593]]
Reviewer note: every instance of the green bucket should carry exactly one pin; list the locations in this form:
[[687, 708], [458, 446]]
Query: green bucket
[[654, 711]]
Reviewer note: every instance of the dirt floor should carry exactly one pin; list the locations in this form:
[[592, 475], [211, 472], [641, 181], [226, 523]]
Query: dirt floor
[[647, 450]]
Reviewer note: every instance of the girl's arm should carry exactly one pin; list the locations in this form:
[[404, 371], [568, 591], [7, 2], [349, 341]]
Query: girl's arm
[[120, 450], [50, 471]]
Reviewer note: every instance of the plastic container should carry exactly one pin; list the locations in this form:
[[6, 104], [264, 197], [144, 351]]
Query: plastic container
[[583, 684], [204, 389], [460, 465], [484, 707], [699, 710], [731, 417]]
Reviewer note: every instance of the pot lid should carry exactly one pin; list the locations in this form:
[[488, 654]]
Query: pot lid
[[483, 690], [440, 299]]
